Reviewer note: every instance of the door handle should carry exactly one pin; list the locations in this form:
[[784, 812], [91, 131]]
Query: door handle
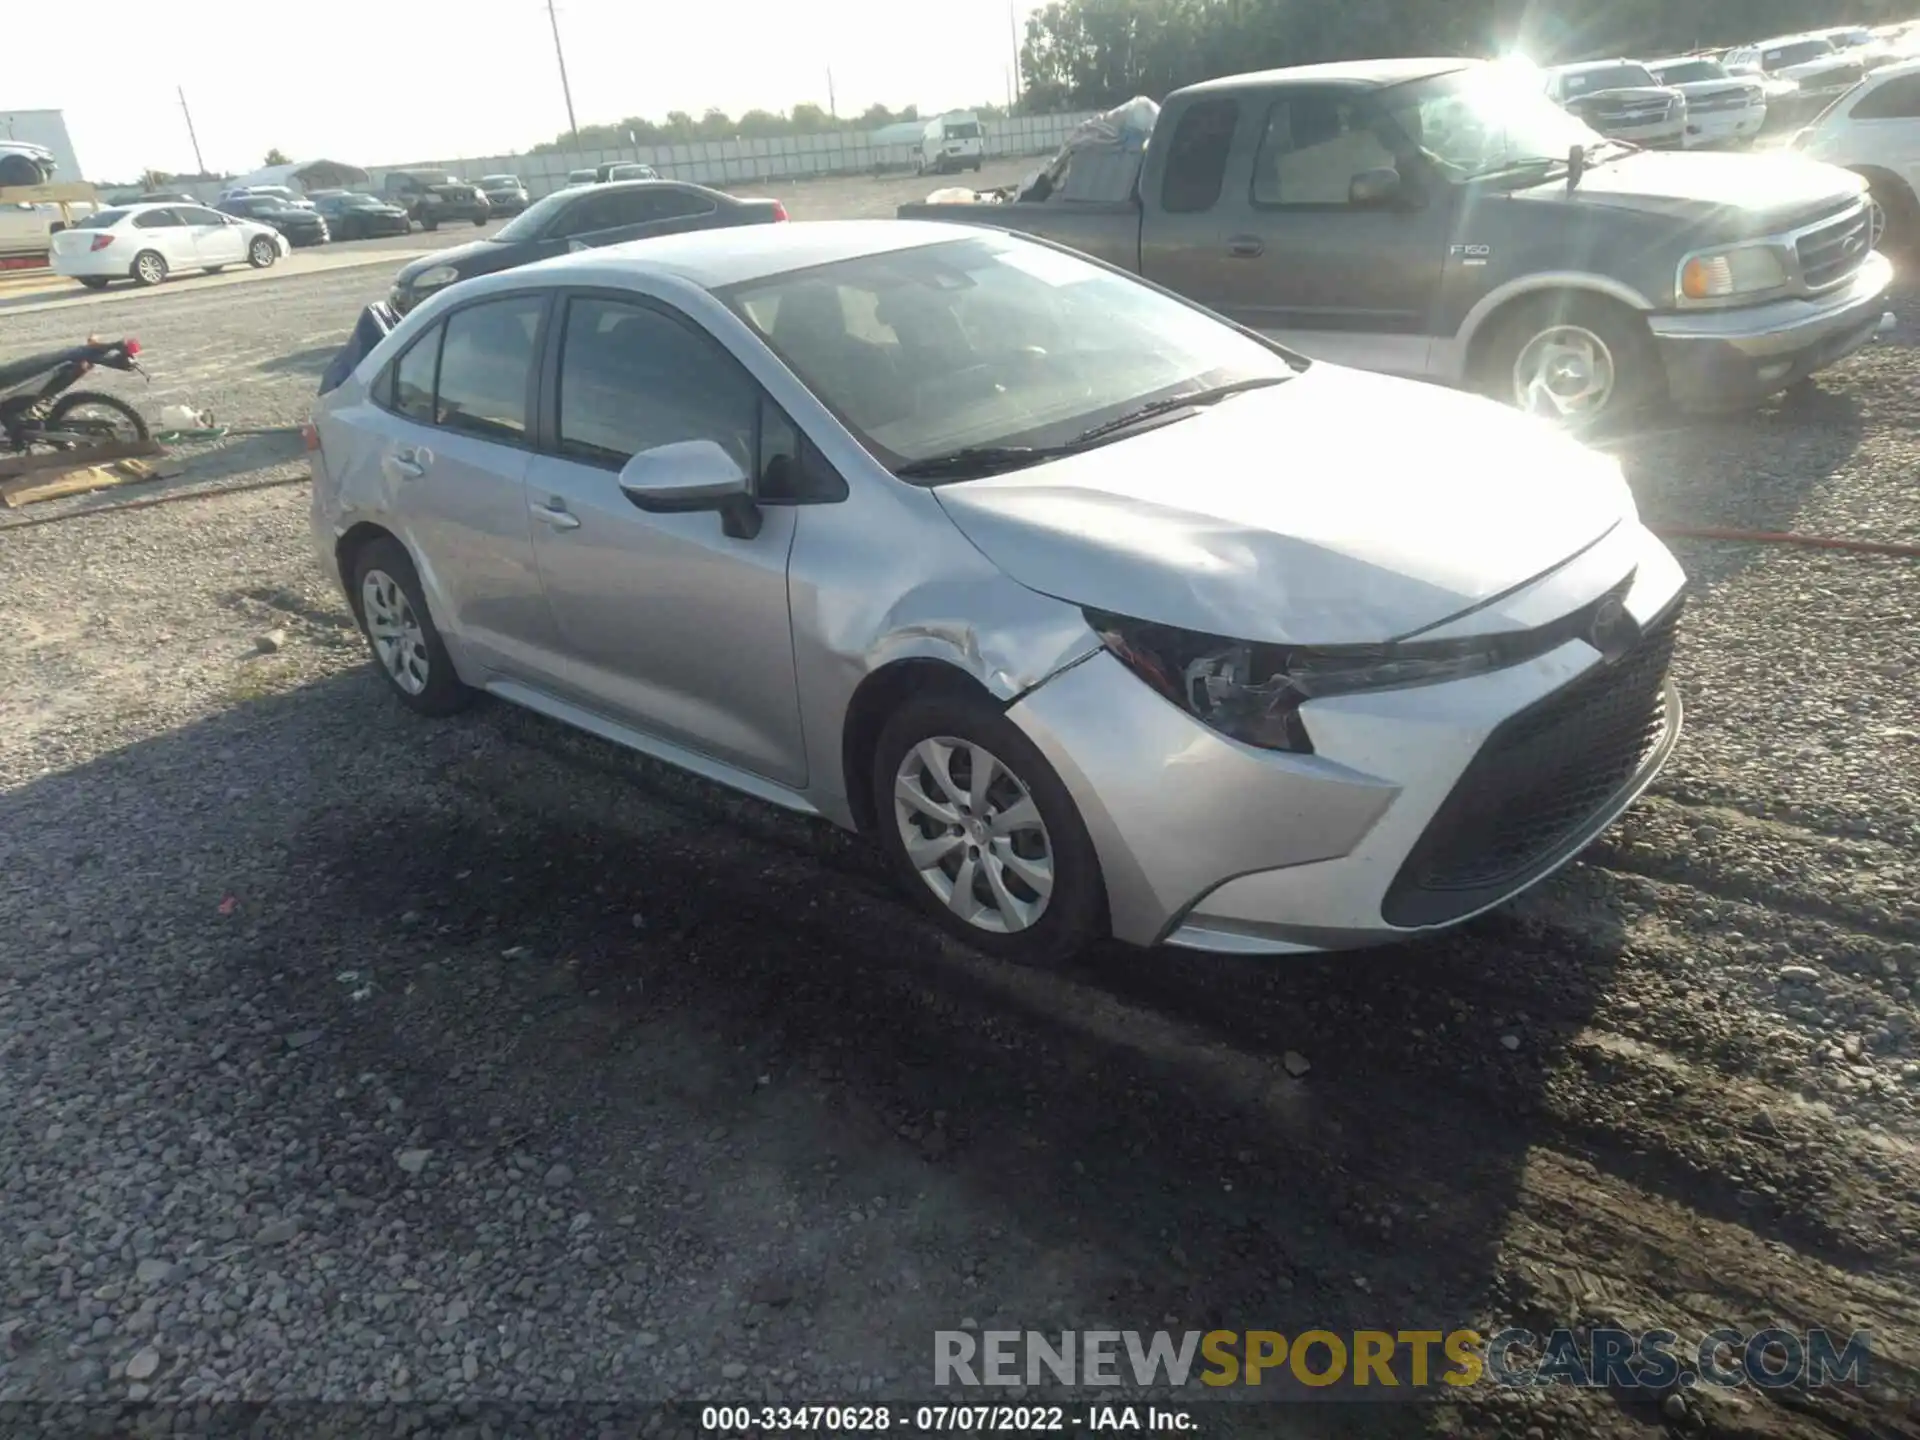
[[1246, 247], [410, 462], [556, 515]]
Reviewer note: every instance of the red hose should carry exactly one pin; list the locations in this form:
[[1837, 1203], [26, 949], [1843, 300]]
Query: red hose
[[1775, 537]]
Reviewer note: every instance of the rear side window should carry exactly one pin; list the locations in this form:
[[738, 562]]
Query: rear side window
[[1895, 100], [156, 220], [1197, 157], [486, 360]]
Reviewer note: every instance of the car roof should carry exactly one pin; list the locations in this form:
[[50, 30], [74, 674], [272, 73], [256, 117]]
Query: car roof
[[1679, 60], [1371, 74], [1581, 67], [715, 259]]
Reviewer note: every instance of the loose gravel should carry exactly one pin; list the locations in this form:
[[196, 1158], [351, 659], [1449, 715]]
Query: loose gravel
[[349, 1057]]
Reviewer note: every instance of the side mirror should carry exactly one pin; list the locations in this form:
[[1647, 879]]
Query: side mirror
[[1377, 189], [693, 475]]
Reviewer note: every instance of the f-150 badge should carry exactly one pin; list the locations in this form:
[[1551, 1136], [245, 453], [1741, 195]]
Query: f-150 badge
[[1471, 254]]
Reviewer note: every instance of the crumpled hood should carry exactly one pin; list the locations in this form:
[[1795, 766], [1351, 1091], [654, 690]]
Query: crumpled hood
[[1751, 193], [1337, 508]]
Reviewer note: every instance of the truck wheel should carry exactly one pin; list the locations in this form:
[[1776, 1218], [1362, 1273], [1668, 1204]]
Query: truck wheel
[[429, 224], [1577, 360], [1899, 217]]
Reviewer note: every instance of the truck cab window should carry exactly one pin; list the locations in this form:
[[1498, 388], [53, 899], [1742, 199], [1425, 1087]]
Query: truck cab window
[[1197, 157]]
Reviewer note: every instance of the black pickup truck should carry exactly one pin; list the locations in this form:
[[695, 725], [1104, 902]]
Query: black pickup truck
[[1442, 219]]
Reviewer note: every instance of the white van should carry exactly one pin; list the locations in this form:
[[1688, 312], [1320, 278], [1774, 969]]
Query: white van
[[953, 142]]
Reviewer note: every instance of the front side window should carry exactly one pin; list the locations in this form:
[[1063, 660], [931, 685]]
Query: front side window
[[1313, 147], [486, 361], [200, 215], [413, 376], [633, 378], [1897, 99], [987, 341], [1480, 122], [1197, 157]]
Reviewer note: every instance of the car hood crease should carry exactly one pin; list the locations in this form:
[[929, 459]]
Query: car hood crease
[[1338, 508]]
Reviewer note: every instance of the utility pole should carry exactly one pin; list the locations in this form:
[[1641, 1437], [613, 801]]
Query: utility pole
[[1013, 29], [190, 135], [573, 126], [832, 110]]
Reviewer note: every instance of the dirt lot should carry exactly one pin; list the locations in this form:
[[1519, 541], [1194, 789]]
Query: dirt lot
[[348, 1056]]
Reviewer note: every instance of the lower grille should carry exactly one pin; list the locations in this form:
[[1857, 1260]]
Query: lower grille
[[1536, 783], [1835, 251]]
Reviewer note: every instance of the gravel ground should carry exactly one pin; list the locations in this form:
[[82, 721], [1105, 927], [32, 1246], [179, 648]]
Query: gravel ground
[[346, 1056]]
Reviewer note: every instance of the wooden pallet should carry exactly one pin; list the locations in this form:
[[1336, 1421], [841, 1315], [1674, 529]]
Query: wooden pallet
[[26, 480]]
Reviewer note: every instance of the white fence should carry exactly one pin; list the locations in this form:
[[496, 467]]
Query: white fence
[[736, 162]]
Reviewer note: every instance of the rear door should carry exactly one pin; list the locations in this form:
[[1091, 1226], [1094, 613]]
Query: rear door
[[1886, 128], [1346, 282], [450, 417], [164, 231]]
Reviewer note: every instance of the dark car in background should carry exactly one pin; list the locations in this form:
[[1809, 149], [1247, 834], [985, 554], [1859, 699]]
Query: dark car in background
[[353, 216], [578, 219], [301, 225], [506, 194], [435, 197]]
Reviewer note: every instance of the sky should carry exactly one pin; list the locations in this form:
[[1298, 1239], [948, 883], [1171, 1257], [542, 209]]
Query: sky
[[385, 82]]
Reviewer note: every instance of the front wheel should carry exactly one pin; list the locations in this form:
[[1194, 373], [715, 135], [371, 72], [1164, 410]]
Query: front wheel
[[101, 419], [982, 832], [478, 221], [94, 282], [1577, 360], [262, 252], [406, 645], [429, 224], [149, 268], [215, 269]]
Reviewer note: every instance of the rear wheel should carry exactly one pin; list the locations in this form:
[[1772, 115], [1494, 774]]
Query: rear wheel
[[1578, 360], [981, 831], [392, 610], [149, 268], [262, 252], [94, 282], [479, 220], [102, 419], [215, 269], [429, 224]]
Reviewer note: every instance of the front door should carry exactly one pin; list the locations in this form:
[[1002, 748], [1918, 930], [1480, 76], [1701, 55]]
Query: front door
[[452, 428], [215, 238], [668, 624], [1347, 281]]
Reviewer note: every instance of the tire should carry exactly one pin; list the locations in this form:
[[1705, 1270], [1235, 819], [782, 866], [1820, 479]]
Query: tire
[[976, 167], [94, 282], [1629, 366], [478, 221], [150, 268], [76, 399], [262, 252], [1900, 216], [429, 224], [387, 601], [1016, 921], [215, 269]]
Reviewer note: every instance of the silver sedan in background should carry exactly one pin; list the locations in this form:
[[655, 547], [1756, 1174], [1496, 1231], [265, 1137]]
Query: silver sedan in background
[[1102, 615]]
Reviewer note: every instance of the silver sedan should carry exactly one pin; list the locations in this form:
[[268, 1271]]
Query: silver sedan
[[1102, 615]]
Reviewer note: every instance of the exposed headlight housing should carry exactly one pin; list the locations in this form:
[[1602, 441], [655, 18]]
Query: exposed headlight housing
[[1737, 271], [434, 277], [1252, 692]]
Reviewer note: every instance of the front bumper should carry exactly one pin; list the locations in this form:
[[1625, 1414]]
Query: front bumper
[[1654, 134], [1715, 358], [1725, 127], [1212, 845], [507, 204]]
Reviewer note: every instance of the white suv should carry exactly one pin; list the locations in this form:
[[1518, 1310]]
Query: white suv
[[1874, 130]]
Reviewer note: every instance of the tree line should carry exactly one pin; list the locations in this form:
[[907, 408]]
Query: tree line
[[680, 127], [1090, 54]]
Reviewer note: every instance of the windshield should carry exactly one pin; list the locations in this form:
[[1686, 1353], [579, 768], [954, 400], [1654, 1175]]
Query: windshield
[[1688, 71], [360, 202], [963, 130], [1610, 77], [528, 224], [499, 180], [101, 220], [574, 177], [1479, 122], [987, 341], [1776, 57]]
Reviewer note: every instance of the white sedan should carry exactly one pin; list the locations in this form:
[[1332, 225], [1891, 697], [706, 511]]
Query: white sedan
[[147, 243]]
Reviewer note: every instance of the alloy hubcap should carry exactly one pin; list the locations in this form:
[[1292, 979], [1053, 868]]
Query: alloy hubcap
[[972, 831], [150, 269], [1564, 373], [398, 640]]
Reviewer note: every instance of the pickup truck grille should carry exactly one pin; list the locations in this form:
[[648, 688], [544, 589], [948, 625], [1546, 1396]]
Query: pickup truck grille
[[1639, 112], [1834, 251], [1717, 100], [1537, 782]]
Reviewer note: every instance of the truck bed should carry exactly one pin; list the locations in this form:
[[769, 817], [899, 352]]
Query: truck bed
[[1106, 230]]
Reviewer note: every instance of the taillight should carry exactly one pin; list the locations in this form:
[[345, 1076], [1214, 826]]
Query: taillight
[[779, 211], [310, 437], [100, 242]]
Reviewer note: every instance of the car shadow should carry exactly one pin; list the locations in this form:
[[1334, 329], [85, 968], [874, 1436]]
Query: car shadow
[[312, 361], [542, 945]]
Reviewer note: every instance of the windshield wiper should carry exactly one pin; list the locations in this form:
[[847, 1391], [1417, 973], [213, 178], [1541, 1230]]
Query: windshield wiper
[[1186, 400], [975, 460]]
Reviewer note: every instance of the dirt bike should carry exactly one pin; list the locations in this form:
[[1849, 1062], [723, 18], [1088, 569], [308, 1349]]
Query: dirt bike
[[55, 416]]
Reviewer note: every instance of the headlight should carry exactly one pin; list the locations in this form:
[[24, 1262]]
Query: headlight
[[1253, 692], [1743, 270], [434, 278]]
